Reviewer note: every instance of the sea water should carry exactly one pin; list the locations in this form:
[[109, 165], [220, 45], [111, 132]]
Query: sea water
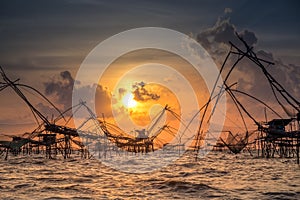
[[218, 175]]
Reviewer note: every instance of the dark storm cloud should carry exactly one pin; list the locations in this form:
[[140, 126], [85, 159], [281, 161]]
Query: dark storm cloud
[[60, 89], [59, 92], [249, 77], [142, 94], [220, 34]]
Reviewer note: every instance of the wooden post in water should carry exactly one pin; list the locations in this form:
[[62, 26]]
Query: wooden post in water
[[297, 150]]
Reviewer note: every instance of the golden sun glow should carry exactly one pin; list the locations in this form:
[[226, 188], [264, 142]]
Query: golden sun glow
[[128, 101]]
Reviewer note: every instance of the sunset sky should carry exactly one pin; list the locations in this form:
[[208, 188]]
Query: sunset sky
[[44, 43]]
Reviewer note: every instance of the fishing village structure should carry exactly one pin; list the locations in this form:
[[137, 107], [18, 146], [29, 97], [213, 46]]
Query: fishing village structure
[[278, 137], [53, 139]]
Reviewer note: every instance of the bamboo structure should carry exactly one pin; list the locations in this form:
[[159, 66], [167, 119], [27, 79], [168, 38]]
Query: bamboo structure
[[273, 138], [54, 139], [275, 141], [279, 137]]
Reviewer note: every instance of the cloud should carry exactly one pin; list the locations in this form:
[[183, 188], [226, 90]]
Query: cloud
[[48, 111], [249, 77], [227, 10], [142, 93], [103, 99], [121, 91], [216, 39], [61, 89]]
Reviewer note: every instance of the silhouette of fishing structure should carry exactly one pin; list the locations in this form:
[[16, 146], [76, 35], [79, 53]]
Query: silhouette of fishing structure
[[53, 138], [277, 137], [233, 142], [274, 138], [45, 135], [143, 141]]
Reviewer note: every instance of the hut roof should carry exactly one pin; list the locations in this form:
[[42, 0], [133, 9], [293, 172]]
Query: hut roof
[[283, 122]]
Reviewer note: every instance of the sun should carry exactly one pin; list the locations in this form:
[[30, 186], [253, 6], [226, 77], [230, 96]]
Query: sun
[[128, 101]]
